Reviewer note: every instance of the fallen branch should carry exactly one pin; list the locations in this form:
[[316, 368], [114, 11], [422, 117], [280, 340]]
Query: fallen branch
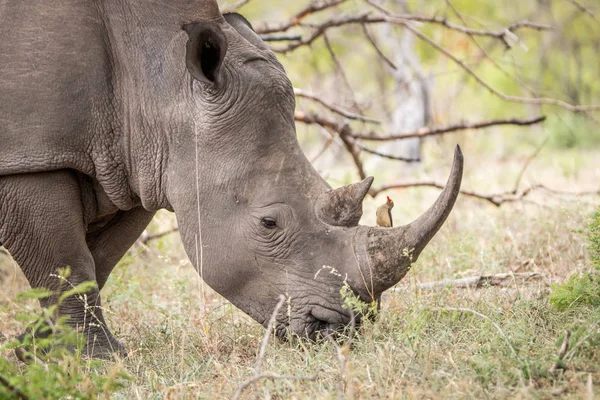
[[477, 282], [561, 354]]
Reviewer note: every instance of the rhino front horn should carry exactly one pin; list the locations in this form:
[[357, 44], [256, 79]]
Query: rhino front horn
[[386, 254], [343, 206]]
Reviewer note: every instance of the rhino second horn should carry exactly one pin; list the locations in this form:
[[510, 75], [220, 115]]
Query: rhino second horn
[[385, 255], [343, 206]]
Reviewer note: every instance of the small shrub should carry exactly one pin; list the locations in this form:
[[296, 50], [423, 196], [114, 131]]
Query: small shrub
[[57, 369], [583, 288]]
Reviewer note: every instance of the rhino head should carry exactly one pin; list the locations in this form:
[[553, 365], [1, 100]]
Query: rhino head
[[256, 219]]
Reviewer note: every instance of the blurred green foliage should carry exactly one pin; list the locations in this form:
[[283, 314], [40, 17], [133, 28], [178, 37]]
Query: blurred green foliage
[[582, 288]]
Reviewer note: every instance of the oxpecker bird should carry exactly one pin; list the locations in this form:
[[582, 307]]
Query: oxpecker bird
[[384, 214]]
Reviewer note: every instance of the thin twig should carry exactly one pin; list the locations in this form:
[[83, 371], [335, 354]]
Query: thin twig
[[340, 70], [527, 162], [353, 149], [146, 239], [583, 8], [389, 156], [561, 354], [365, 18], [339, 351], [312, 8], [344, 113], [487, 56], [18, 394], [501, 34], [496, 199], [379, 52], [468, 310], [267, 335], [505, 97], [235, 6], [261, 354], [573, 350], [328, 143], [272, 376]]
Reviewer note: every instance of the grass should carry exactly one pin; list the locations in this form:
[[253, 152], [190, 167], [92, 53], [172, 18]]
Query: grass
[[185, 346]]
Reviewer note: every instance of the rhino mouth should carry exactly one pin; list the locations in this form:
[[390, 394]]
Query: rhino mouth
[[317, 324]]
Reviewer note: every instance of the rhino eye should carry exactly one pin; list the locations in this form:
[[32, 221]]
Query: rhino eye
[[269, 223]]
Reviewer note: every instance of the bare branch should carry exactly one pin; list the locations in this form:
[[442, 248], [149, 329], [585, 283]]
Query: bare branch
[[389, 156], [353, 149], [406, 19], [496, 199], [452, 128], [583, 8], [235, 6], [342, 129], [312, 8], [365, 18], [379, 52], [333, 108], [510, 98], [280, 38]]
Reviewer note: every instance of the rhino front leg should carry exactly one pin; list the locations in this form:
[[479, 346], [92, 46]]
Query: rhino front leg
[[109, 244], [42, 226]]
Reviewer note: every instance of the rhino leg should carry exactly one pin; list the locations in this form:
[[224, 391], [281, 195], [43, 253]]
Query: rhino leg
[[109, 244], [42, 224]]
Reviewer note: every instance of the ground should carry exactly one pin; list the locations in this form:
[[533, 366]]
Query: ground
[[185, 341]]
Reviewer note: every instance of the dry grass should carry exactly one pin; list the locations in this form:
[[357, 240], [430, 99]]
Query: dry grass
[[183, 346]]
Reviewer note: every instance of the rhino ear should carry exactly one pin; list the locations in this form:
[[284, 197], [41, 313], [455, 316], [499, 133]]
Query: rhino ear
[[244, 28], [205, 50]]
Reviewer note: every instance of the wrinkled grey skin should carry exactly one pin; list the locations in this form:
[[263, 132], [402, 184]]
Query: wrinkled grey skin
[[111, 110]]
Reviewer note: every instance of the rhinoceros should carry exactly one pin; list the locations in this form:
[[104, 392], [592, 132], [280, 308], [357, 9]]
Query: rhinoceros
[[111, 110]]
